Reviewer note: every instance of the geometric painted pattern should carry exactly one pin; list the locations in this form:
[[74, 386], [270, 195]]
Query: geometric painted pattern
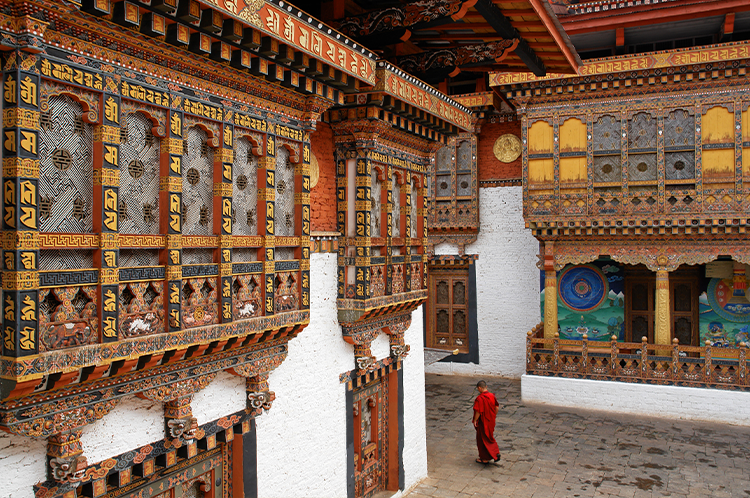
[[197, 184], [606, 134], [397, 206], [139, 177], [642, 131], [197, 256], [244, 255], [245, 189], [65, 259], [66, 184], [284, 206], [138, 257]]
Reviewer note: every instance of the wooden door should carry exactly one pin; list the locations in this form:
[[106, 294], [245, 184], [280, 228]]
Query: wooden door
[[371, 438], [448, 310], [640, 304], [683, 296], [639, 308]]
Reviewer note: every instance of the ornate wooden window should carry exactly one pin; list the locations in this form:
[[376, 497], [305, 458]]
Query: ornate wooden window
[[139, 176], [244, 192], [197, 184], [449, 309]]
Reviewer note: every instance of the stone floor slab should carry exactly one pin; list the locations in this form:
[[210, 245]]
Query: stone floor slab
[[567, 453]]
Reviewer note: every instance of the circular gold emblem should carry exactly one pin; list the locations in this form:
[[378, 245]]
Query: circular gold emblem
[[507, 148], [314, 171]]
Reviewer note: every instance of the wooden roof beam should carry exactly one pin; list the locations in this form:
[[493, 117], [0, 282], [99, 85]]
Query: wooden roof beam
[[627, 18], [504, 28], [394, 24], [442, 62]]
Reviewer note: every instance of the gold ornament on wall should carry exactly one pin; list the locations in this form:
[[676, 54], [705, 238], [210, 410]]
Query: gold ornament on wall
[[507, 148], [314, 171]]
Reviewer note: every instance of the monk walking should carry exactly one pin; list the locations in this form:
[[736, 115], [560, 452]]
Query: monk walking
[[485, 410]]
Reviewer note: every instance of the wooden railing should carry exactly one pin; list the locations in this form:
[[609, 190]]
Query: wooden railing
[[640, 362]]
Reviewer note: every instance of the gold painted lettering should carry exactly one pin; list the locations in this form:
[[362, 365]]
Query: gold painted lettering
[[28, 260], [110, 301], [28, 340], [110, 259], [110, 110], [110, 326], [28, 91], [28, 312], [28, 141], [110, 155], [9, 90], [10, 308], [174, 294]]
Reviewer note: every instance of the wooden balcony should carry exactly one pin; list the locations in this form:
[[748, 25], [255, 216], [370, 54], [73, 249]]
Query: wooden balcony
[[637, 362]]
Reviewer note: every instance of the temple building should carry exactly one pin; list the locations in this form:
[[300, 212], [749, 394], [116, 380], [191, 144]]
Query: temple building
[[235, 230]]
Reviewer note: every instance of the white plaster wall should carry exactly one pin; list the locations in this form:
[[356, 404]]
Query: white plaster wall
[[673, 402], [507, 286], [224, 395], [381, 346], [415, 440], [22, 461], [302, 439], [133, 423]]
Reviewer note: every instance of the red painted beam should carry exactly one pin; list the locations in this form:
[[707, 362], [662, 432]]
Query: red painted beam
[[650, 14]]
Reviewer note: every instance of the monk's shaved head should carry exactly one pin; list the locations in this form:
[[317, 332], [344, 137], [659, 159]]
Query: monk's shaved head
[[482, 384]]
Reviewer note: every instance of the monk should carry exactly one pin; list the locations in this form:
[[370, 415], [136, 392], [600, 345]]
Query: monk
[[485, 410]]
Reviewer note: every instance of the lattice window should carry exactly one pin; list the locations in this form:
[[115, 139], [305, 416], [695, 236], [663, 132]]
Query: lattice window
[[284, 205], [376, 204], [197, 256], [139, 257], [679, 165], [244, 189], [396, 218], [607, 168], [244, 255], [642, 131], [642, 167], [444, 159], [65, 259], [679, 144], [66, 188], [679, 129], [197, 184], [607, 134], [139, 177]]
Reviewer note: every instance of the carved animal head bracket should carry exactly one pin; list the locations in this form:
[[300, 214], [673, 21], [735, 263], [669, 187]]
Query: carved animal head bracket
[[184, 428], [179, 420], [258, 394], [363, 357], [396, 331], [68, 470], [65, 457]]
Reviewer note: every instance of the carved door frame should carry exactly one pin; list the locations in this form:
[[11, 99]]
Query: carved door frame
[[370, 409]]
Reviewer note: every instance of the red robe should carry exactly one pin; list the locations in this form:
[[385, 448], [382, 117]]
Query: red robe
[[486, 405]]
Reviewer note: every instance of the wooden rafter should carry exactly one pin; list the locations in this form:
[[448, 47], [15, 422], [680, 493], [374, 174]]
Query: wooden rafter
[[389, 25], [495, 18], [441, 62]]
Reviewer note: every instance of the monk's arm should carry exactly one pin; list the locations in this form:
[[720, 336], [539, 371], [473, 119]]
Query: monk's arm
[[476, 418]]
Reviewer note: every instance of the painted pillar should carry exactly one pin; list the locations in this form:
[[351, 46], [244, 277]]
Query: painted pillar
[[662, 329], [550, 291], [550, 304]]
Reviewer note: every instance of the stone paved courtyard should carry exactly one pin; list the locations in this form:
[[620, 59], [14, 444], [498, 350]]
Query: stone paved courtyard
[[549, 452]]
